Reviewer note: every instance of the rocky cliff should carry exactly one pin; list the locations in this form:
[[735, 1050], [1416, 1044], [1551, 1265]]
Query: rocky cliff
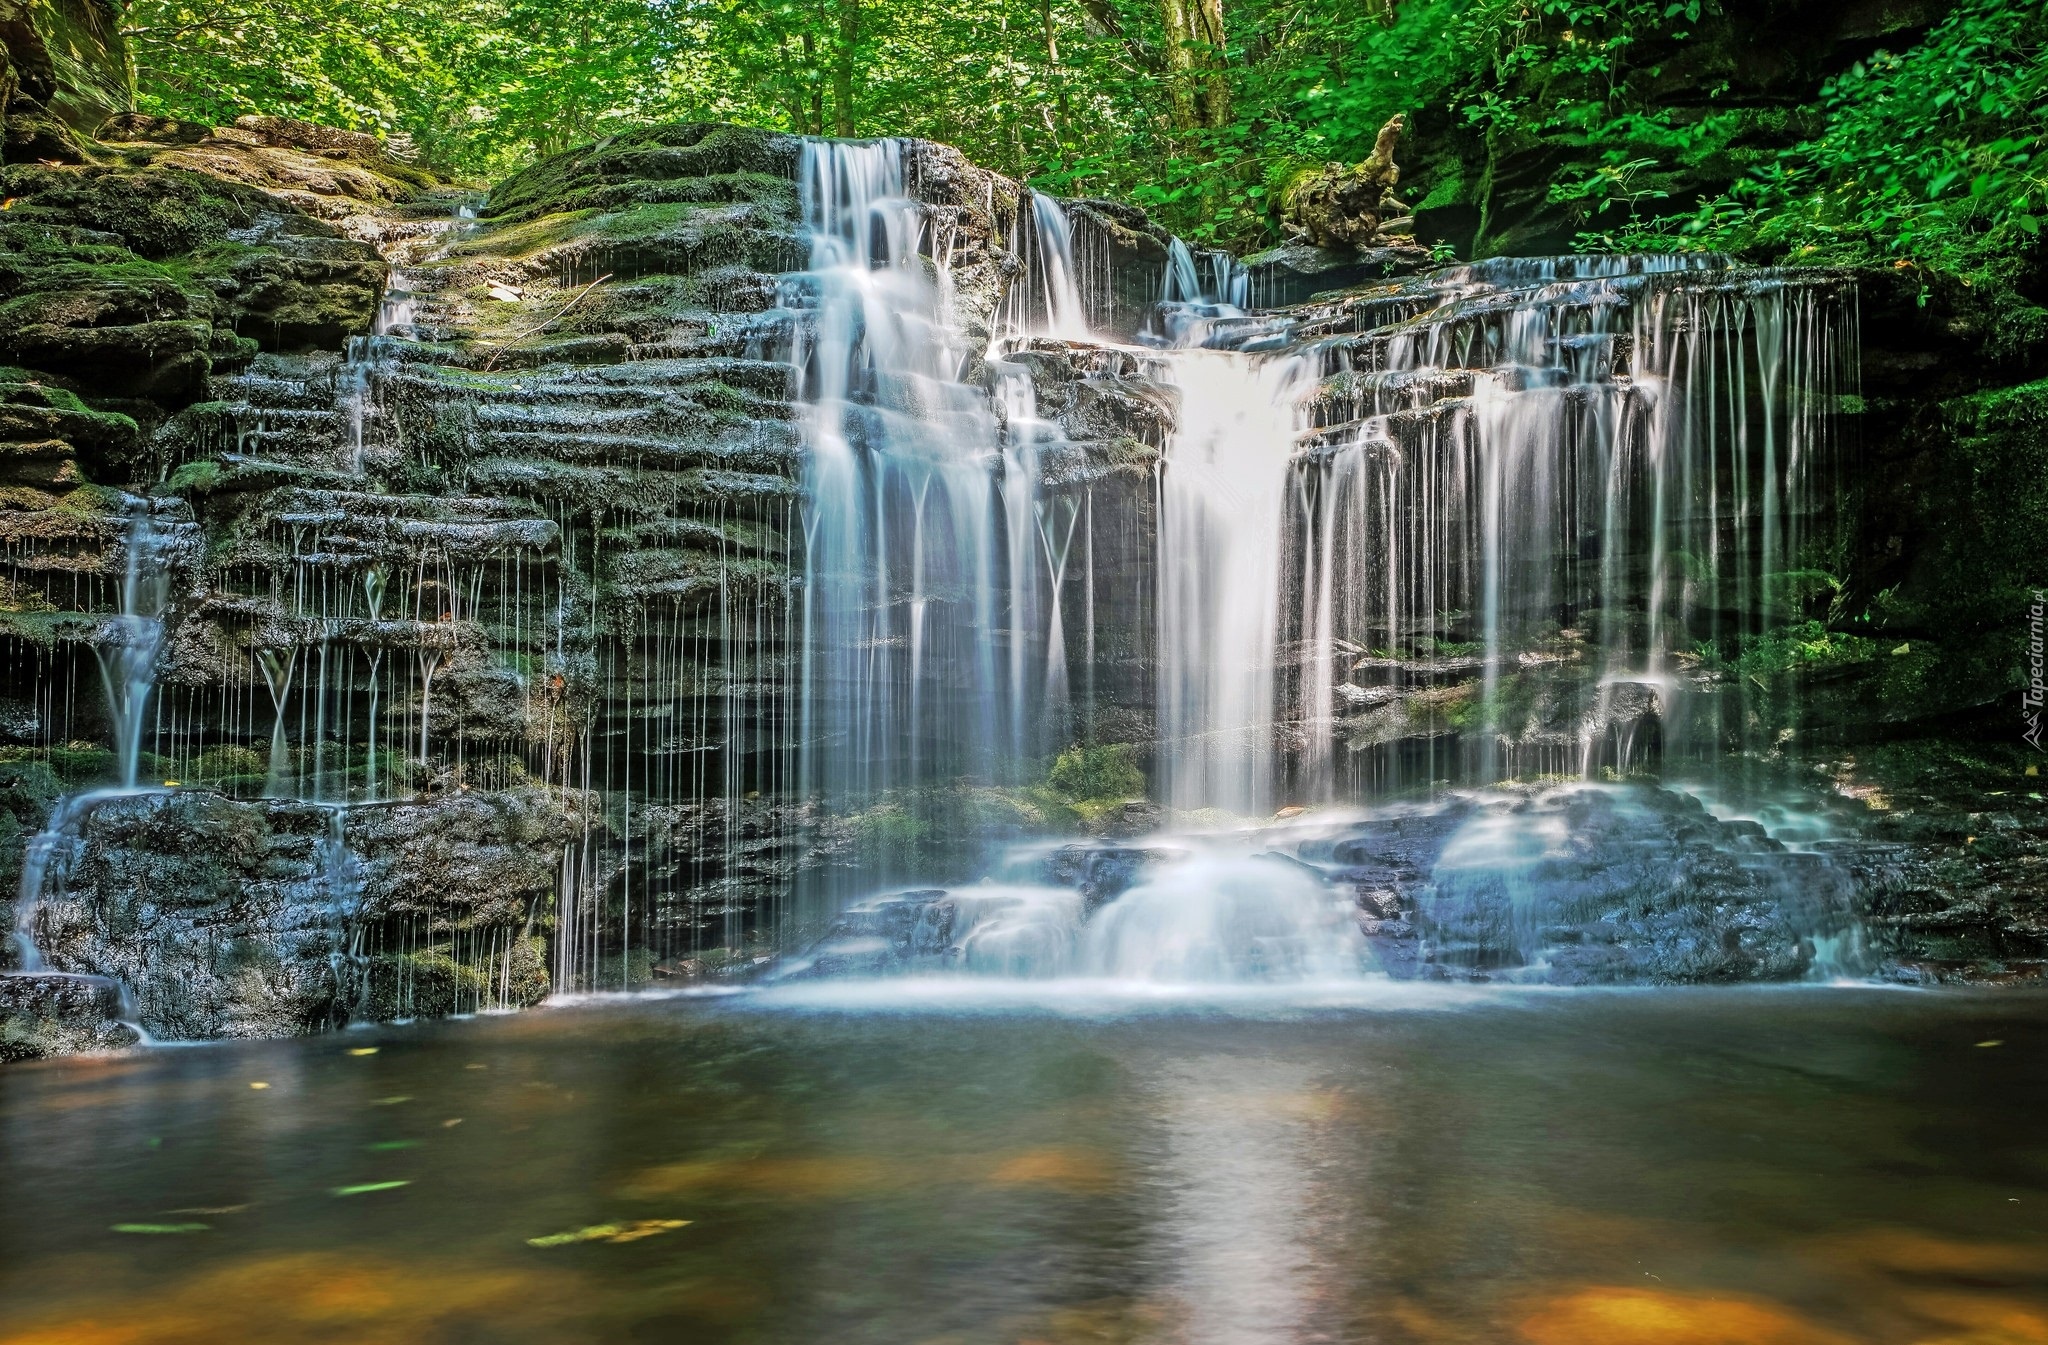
[[476, 673], [481, 522]]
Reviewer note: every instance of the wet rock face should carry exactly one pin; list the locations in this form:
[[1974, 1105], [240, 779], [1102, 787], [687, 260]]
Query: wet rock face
[[910, 930], [1587, 886], [1297, 272], [1121, 253], [1100, 872], [226, 918], [59, 1014], [540, 533], [1953, 862], [1572, 885]]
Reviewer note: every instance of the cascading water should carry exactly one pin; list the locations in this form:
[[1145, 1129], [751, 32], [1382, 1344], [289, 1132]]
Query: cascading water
[[1197, 911], [1046, 299], [1486, 525], [900, 674], [1537, 504], [901, 497], [1376, 539], [127, 649], [933, 641], [1222, 496]]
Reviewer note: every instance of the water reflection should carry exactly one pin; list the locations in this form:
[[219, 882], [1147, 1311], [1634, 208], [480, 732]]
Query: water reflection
[[1247, 1223], [1794, 1166]]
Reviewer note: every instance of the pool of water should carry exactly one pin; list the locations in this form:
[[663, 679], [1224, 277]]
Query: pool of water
[[932, 1163]]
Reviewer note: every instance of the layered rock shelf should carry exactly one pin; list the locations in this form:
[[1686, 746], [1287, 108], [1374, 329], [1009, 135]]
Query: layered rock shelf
[[481, 674]]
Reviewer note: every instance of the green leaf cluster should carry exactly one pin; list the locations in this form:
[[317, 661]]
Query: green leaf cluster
[[1933, 156], [1929, 153]]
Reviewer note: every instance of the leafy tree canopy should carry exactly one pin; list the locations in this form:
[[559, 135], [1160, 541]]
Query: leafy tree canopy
[[1928, 149]]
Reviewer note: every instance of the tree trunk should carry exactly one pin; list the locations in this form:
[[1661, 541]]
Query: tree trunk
[[1195, 76], [1053, 71], [842, 71], [816, 123], [792, 87], [1180, 62], [1208, 17]]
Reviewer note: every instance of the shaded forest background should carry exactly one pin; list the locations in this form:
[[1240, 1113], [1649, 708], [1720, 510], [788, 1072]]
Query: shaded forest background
[[1767, 127]]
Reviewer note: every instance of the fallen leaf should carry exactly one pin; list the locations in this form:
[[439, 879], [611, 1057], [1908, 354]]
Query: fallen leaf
[[620, 1232], [362, 1050], [390, 1101], [368, 1187]]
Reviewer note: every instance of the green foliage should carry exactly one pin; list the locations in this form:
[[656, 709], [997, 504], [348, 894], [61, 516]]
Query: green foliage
[[1991, 553], [1927, 153], [1098, 774], [1932, 155], [1805, 646], [195, 478]]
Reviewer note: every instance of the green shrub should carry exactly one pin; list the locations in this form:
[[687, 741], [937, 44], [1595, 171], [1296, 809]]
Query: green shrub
[[1103, 773]]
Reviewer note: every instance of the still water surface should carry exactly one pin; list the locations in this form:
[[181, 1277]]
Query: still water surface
[[1784, 1167]]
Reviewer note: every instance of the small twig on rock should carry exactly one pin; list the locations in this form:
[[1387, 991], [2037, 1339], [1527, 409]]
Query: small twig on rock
[[537, 330]]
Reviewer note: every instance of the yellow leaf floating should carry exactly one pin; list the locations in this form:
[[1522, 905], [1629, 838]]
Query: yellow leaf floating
[[622, 1232], [368, 1187]]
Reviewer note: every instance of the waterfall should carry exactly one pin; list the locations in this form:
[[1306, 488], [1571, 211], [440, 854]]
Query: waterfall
[[1599, 471], [126, 648], [1221, 501], [933, 636], [1493, 523], [340, 877], [1204, 912], [128, 644], [1046, 298], [1509, 520]]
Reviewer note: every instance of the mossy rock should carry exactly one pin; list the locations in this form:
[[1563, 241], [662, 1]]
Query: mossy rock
[[140, 282], [701, 162], [156, 213], [432, 983]]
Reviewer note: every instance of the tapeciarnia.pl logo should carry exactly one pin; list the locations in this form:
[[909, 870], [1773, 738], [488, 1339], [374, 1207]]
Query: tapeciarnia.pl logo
[[2037, 669]]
